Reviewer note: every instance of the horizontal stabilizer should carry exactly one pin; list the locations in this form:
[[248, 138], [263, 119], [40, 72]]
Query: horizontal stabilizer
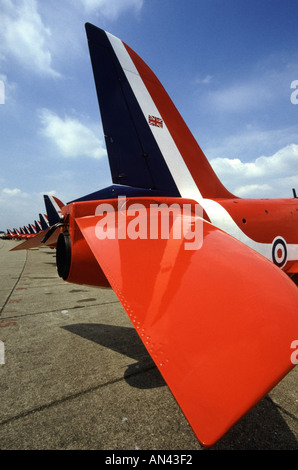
[[37, 241], [221, 338]]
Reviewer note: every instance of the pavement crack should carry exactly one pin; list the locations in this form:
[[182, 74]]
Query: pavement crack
[[58, 310], [72, 396], [15, 285], [282, 409]]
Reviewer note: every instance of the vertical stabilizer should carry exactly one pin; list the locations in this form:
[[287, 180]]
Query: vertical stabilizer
[[149, 145]]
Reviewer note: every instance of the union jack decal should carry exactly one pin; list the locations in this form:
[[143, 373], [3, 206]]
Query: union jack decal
[[155, 121]]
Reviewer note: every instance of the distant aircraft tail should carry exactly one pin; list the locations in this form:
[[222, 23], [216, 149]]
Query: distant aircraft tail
[[43, 222], [53, 208], [44, 232], [148, 143], [37, 226]]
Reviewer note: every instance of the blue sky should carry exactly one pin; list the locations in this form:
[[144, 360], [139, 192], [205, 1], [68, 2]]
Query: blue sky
[[227, 64]]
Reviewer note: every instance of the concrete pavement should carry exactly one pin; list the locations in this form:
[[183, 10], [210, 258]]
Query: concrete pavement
[[76, 375]]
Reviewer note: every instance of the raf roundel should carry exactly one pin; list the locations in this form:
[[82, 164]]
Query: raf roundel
[[279, 252]]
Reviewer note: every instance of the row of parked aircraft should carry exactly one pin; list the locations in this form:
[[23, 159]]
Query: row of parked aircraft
[[28, 231], [40, 227], [219, 321]]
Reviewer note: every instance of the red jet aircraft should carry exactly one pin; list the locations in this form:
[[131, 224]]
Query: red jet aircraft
[[219, 314]]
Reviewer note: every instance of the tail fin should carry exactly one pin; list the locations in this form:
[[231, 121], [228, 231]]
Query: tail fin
[[148, 143], [37, 226], [53, 208], [43, 222], [31, 229]]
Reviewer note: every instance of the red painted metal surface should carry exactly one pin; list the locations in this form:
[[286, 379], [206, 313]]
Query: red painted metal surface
[[218, 321], [263, 219]]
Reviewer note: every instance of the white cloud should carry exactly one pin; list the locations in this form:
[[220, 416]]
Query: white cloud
[[239, 97], [263, 86], [24, 37], [72, 138], [266, 176], [7, 90], [111, 9], [251, 190], [11, 192], [250, 142], [17, 208], [203, 81]]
